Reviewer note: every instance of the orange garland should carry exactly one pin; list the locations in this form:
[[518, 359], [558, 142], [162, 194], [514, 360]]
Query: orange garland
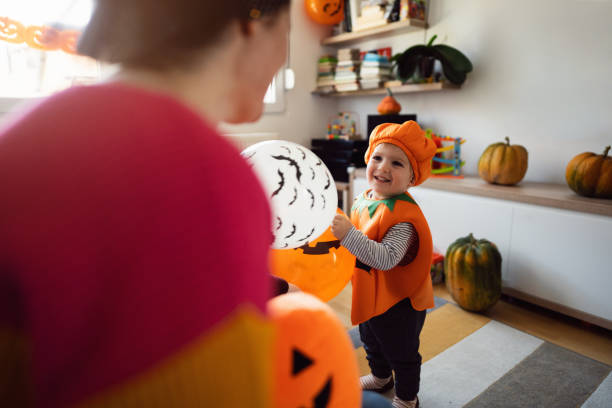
[[38, 37]]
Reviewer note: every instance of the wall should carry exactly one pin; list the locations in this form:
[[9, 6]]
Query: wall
[[305, 116], [541, 76]]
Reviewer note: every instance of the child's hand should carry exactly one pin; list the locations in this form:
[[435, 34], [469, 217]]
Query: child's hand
[[340, 226]]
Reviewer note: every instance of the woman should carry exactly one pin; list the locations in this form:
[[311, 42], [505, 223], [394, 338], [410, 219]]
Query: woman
[[134, 237]]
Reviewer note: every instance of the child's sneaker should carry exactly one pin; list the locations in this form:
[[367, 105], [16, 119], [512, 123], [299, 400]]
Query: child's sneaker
[[399, 403], [371, 383]]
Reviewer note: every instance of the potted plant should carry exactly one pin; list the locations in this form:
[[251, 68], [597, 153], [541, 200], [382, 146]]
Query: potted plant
[[455, 64]]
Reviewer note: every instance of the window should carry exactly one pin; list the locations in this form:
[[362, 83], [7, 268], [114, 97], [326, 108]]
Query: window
[[27, 72], [275, 96]]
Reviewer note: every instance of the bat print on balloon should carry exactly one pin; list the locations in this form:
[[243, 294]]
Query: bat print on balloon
[[300, 188]]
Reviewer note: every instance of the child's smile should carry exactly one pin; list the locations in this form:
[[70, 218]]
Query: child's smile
[[389, 172]]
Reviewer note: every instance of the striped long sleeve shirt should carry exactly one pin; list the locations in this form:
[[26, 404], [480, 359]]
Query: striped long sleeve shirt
[[400, 244]]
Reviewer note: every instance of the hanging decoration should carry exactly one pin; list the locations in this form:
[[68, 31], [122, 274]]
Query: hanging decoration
[[38, 37], [325, 11]]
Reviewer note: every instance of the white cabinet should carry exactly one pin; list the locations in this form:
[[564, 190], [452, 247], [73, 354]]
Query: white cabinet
[[562, 256], [451, 216], [556, 258]]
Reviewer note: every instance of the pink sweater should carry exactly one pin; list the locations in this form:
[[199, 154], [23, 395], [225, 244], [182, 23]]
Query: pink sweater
[[128, 229]]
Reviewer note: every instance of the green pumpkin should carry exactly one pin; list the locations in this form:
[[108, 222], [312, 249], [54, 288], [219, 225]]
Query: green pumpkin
[[472, 271]]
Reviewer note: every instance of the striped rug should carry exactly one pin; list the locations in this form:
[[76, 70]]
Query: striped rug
[[472, 361]]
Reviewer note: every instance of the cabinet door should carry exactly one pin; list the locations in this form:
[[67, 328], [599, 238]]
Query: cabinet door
[[562, 256], [451, 216]]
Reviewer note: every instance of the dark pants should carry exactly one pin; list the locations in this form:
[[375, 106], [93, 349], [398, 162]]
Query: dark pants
[[391, 342]]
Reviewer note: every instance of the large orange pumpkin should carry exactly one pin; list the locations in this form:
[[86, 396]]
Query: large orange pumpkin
[[325, 11], [502, 163], [315, 363], [590, 174], [322, 267]]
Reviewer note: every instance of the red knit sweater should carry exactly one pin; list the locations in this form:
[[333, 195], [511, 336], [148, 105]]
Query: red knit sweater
[[129, 229]]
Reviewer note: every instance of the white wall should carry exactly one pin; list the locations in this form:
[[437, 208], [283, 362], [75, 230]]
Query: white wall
[[541, 76], [305, 116]]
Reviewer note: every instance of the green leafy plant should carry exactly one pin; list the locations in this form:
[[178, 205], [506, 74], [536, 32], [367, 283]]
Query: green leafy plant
[[455, 64]]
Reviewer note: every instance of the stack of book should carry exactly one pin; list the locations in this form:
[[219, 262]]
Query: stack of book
[[347, 70], [375, 70], [326, 67]]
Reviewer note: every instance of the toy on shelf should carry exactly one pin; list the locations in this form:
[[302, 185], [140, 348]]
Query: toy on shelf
[[443, 164], [437, 268], [343, 126]]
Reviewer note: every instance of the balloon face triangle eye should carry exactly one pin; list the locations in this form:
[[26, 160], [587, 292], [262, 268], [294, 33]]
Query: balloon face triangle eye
[[300, 362], [321, 400]]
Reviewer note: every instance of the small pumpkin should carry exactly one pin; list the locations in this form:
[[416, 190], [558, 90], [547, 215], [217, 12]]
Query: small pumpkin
[[502, 163], [472, 270], [314, 359], [389, 105], [325, 11], [590, 174]]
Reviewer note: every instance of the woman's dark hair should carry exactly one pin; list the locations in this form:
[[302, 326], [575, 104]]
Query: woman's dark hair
[[164, 33]]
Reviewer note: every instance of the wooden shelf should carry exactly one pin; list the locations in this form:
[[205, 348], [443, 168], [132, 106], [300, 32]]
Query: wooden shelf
[[390, 28], [528, 192], [437, 86]]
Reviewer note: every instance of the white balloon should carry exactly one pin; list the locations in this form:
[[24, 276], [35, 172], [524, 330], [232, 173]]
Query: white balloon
[[301, 190]]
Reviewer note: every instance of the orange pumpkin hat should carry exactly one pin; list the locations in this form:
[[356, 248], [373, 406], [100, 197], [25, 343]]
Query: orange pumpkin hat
[[412, 140]]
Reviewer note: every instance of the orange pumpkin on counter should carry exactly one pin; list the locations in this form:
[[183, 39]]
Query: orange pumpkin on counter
[[389, 105], [503, 163], [590, 174]]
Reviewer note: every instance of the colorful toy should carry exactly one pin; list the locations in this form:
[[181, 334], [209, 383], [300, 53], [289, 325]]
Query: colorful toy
[[343, 126], [322, 268], [452, 163], [301, 190], [315, 363], [325, 11], [437, 268]]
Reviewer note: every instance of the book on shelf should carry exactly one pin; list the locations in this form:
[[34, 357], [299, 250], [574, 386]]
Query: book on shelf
[[370, 84], [326, 89], [392, 83], [350, 86]]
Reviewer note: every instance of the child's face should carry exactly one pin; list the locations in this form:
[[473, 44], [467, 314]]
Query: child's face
[[389, 172]]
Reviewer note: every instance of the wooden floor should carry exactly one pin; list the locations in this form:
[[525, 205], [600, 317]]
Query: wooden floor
[[581, 337]]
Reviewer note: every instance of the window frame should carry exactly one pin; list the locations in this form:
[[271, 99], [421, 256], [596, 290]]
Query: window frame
[[278, 87]]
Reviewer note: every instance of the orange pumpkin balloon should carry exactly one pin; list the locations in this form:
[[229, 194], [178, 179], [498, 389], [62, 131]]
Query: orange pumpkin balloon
[[69, 39], [322, 267], [325, 11], [315, 364], [11, 30], [43, 38]]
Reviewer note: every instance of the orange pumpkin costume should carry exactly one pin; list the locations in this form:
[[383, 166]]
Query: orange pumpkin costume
[[375, 291], [389, 305]]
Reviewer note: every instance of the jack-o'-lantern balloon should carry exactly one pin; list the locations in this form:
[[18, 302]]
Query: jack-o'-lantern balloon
[[322, 267], [325, 11], [314, 359]]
